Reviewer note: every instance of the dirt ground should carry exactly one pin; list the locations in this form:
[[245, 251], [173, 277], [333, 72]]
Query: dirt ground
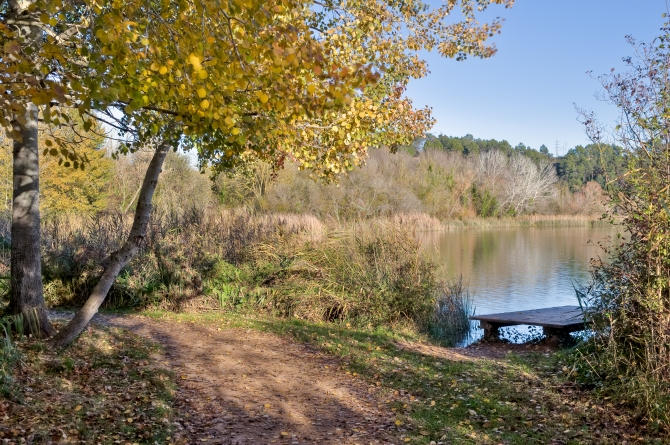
[[246, 387], [243, 387]]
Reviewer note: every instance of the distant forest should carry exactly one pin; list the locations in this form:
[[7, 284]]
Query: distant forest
[[580, 165]]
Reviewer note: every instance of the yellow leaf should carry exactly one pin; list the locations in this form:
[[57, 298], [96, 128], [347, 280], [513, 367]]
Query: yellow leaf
[[211, 39], [202, 74], [154, 66], [204, 104], [202, 92], [163, 70], [236, 131], [229, 121], [145, 41], [311, 88], [262, 96], [78, 408], [195, 61]]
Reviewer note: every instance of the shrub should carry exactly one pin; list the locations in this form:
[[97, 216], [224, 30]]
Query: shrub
[[372, 276], [182, 252], [628, 300]]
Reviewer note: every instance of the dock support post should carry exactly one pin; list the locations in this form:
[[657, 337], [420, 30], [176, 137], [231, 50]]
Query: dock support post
[[491, 331], [555, 336]]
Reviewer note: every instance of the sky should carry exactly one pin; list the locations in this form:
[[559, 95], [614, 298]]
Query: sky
[[527, 91]]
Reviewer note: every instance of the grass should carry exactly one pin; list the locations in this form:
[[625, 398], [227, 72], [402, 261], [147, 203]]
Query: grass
[[372, 275], [438, 397], [106, 388]]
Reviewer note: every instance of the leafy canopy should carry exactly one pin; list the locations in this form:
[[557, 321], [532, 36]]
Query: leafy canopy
[[312, 82]]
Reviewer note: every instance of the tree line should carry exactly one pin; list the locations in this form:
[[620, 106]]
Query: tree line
[[599, 163]]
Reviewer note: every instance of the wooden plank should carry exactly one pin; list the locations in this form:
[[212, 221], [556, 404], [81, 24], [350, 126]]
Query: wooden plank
[[562, 317]]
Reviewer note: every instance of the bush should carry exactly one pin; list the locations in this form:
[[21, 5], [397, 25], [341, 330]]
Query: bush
[[182, 253], [628, 300], [373, 276], [283, 265], [485, 203]]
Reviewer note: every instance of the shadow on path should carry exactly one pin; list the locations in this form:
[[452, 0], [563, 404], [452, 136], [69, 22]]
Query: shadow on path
[[246, 387]]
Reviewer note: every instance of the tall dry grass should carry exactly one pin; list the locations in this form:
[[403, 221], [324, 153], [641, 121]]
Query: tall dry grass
[[527, 221], [368, 274], [373, 275], [178, 251]]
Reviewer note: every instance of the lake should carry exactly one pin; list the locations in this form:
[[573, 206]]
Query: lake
[[510, 269]]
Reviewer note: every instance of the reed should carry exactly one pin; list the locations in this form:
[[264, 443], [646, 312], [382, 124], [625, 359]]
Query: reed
[[528, 221], [450, 322], [367, 274], [179, 249]]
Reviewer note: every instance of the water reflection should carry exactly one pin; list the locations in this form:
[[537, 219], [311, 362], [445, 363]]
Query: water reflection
[[518, 268]]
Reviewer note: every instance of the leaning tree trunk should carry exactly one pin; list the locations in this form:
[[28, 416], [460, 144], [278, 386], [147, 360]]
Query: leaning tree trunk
[[27, 292], [27, 296], [121, 257]]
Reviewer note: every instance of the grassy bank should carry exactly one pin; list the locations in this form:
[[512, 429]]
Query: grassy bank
[[437, 395], [105, 388], [233, 257], [286, 266]]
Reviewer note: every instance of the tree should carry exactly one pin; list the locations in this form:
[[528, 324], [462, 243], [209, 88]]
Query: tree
[[26, 278], [98, 58], [628, 298], [236, 82], [432, 143], [65, 190], [210, 96], [594, 162], [527, 183], [517, 181]]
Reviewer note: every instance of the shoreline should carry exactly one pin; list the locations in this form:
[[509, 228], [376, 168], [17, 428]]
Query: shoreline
[[424, 223], [528, 221]]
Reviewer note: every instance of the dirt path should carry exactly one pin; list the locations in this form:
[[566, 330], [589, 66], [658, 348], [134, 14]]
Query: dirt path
[[245, 387]]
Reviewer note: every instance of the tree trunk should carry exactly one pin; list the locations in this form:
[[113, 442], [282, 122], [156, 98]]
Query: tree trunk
[[121, 257], [27, 292], [27, 295]]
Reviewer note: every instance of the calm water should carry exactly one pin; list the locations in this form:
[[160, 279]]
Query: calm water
[[518, 268]]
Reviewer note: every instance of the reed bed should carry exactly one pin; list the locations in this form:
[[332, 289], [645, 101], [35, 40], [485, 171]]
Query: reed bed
[[179, 250], [371, 274], [528, 221]]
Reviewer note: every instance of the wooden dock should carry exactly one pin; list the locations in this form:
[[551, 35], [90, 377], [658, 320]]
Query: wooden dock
[[556, 322]]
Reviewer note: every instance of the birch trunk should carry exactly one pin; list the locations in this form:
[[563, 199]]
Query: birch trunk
[[27, 296], [121, 257], [27, 291]]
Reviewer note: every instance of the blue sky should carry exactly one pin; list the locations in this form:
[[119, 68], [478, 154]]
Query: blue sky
[[525, 93]]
